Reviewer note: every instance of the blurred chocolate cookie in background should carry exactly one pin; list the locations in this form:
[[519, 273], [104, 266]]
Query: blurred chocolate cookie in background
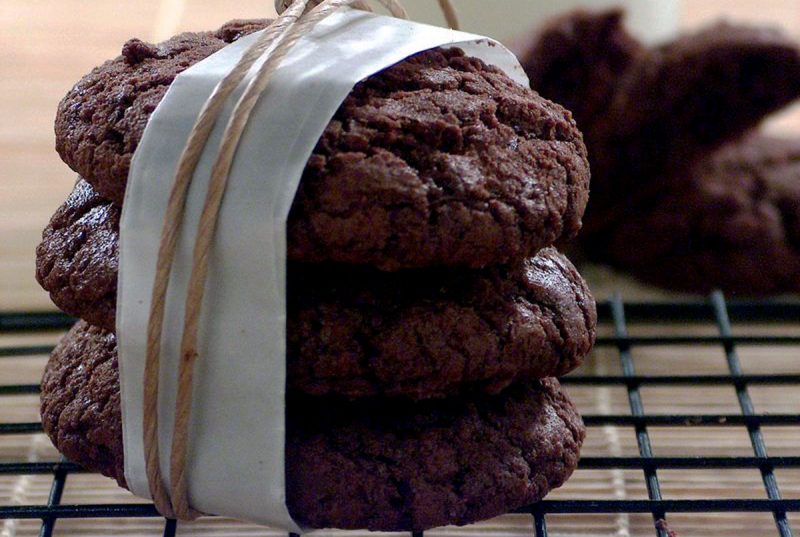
[[684, 195]]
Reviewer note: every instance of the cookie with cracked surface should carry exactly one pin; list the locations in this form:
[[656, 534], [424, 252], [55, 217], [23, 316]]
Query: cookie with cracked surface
[[102, 118], [435, 333], [733, 223], [437, 160], [357, 331], [386, 465], [78, 259]]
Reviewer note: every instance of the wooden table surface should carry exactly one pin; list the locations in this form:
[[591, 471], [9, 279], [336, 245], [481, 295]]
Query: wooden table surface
[[47, 45]]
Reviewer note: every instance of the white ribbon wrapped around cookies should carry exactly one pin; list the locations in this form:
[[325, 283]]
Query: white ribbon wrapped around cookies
[[235, 457]]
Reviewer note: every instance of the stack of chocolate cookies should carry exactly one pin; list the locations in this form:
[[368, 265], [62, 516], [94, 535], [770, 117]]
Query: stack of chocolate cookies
[[427, 311]]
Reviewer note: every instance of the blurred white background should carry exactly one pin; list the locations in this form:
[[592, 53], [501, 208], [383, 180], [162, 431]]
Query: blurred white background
[[652, 19]]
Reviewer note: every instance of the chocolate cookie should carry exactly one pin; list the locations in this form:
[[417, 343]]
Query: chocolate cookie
[[577, 60], [357, 331], [734, 224], [668, 204], [379, 465], [78, 258], [667, 108], [438, 160]]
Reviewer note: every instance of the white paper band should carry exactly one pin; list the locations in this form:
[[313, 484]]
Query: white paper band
[[236, 453]]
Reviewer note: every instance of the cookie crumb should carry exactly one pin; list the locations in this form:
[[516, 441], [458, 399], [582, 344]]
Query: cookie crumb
[[661, 524], [136, 51]]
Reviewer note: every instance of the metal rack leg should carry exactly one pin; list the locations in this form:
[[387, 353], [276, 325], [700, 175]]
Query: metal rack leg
[[746, 405], [56, 491], [637, 409]]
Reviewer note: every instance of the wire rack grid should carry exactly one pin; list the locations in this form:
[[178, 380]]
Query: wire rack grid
[[772, 325]]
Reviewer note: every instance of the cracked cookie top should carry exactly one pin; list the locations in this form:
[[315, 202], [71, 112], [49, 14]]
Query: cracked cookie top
[[437, 160]]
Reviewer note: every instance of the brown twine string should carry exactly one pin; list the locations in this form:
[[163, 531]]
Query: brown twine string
[[169, 239], [295, 21], [450, 14], [206, 229]]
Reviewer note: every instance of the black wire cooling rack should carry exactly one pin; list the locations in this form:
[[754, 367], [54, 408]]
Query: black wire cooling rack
[[613, 313]]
